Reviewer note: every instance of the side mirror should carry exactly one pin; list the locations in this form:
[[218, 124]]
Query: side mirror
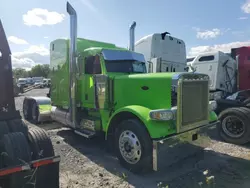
[[193, 69], [150, 66]]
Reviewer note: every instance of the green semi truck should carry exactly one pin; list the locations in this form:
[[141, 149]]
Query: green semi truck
[[97, 87]]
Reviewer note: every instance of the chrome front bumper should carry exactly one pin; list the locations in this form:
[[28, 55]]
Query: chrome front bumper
[[174, 148]]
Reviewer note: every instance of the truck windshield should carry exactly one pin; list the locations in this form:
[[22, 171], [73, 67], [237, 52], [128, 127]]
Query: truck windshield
[[125, 66]]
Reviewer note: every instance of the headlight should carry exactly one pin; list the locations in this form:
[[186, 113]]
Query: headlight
[[163, 115], [212, 105]]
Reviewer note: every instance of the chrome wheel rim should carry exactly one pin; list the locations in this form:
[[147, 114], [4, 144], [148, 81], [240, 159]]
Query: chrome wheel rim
[[233, 126], [130, 147]]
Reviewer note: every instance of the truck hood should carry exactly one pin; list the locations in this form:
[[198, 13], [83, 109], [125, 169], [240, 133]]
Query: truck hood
[[151, 90]]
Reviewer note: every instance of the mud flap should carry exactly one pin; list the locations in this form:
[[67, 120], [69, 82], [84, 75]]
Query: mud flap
[[171, 150]]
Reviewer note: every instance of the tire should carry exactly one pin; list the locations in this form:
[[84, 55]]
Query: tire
[[242, 117], [40, 144], [41, 147], [17, 153], [27, 110], [17, 148], [136, 131], [18, 125], [34, 112], [4, 129]]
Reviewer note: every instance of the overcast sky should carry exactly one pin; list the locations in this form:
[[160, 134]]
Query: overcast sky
[[30, 25]]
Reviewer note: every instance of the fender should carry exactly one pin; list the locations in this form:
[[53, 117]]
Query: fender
[[212, 116], [156, 129], [44, 107]]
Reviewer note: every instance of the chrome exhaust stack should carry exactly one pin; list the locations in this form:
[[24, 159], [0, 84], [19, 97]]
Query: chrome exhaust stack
[[132, 36], [72, 63]]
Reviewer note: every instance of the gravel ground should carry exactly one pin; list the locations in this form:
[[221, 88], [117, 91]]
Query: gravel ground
[[86, 163]]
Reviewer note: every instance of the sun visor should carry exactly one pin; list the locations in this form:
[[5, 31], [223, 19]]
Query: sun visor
[[112, 55]]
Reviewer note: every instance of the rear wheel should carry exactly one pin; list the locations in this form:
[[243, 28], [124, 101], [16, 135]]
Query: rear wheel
[[18, 125], [41, 147], [40, 143], [235, 126], [16, 152], [133, 146]]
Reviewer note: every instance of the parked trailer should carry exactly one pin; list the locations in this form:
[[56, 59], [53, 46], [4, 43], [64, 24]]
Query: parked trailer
[[26, 155], [100, 88]]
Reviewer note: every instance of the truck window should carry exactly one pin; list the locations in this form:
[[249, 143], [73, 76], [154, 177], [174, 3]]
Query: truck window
[[207, 58], [92, 65], [125, 66]]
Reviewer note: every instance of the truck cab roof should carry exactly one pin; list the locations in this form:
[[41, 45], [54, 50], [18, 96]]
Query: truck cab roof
[[169, 48], [82, 44]]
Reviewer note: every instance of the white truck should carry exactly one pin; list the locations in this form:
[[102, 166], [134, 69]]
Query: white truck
[[164, 53], [220, 67]]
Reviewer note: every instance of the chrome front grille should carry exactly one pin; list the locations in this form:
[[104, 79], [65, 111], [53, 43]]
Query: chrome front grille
[[193, 101]]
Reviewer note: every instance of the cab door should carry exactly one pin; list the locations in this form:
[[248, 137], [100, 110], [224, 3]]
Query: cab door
[[92, 67]]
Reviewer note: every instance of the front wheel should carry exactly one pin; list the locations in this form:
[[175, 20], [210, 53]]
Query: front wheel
[[133, 146], [235, 125]]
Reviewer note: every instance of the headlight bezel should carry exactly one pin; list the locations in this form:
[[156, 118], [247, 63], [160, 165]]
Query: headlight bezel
[[155, 115]]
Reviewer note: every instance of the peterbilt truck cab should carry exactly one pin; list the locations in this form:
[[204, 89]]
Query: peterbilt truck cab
[[97, 88]]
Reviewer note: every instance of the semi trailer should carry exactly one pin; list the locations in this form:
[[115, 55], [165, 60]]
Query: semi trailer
[[98, 88], [27, 157]]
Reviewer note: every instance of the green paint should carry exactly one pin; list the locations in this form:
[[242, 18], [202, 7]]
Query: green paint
[[44, 108], [156, 129], [59, 65], [136, 100], [212, 116]]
